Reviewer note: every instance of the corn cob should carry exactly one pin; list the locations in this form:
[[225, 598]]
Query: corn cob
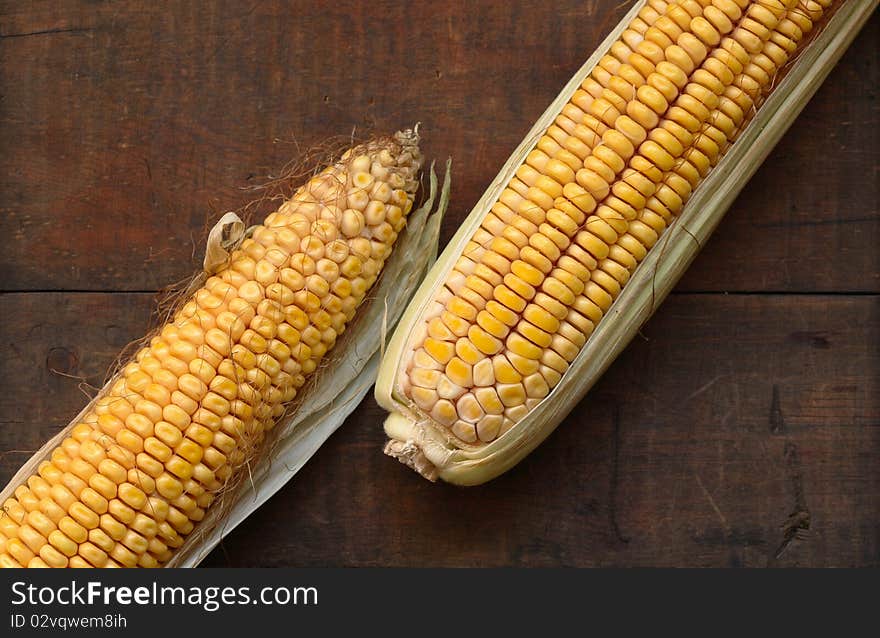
[[138, 471], [587, 205], [506, 314]]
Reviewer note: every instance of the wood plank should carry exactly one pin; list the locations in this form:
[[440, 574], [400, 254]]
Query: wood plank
[[127, 127], [713, 440], [57, 350]]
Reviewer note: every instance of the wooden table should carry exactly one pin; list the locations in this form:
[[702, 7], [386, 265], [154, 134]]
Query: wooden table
[[741, 428]]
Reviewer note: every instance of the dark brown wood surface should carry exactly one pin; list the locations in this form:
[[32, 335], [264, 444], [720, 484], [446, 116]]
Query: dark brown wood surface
[[741, 428]]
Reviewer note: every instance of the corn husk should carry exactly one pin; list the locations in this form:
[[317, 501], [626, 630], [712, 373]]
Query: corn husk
[[436, 453]]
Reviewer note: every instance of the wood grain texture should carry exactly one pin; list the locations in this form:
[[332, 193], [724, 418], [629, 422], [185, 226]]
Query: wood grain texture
[[739, 430], [127, 126], [730, 419]]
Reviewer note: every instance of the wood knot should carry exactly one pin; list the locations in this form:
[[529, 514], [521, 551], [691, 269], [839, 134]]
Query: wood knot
[[62, 360]]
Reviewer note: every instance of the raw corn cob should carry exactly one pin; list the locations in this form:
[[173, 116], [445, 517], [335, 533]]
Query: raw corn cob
[[132, 478], [512, 305]]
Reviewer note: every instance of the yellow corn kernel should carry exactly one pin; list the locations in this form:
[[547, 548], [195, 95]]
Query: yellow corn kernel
[[73, 529]]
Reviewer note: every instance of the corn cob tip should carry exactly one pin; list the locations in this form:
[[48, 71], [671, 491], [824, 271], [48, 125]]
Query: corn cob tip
[[410, 156], [409, 136], [409, 444], [408, 453]]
